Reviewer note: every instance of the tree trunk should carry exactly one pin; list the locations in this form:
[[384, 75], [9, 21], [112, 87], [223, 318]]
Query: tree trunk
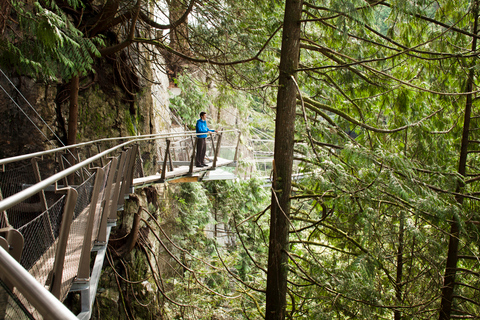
[[72, 123], [5, 8], [398, 284], [73, 111], [452, 257], [179, 33], [283, 159]]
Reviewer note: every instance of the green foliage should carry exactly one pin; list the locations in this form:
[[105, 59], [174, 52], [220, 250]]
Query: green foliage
[[46, 44], [191, 101], [130, 123], [223, 262], [383, 176], [194, 208]]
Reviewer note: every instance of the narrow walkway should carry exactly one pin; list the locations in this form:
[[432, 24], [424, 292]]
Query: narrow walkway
[[57, 208], [182, 171]]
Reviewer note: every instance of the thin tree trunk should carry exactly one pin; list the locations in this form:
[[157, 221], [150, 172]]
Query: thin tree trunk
[[5, 8], [73, 111], [73, 123], [452, 257], [179, 33], [283, 159], [398, 280]]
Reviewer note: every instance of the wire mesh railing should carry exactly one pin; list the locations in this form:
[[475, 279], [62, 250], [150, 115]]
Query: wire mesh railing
[[57, 205]]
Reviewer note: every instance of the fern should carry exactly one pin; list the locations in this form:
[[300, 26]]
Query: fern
[[49, 46]]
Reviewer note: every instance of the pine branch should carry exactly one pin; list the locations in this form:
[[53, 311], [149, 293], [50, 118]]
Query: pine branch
[[314, 106]]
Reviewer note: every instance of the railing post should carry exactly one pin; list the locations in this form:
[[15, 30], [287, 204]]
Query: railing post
[[81, 170], [140, 160], [170, 158], [3, 292], [190, 170], [102, 229], [83, 273], [3, 214], [38, 178], [213, 143], [62, 167], [67, 218], [219, 141], [164, 165], [116, 191], [100, 151], [128, 173], [235, 158]]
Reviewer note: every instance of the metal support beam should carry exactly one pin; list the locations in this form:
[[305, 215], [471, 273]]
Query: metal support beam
[[102, 230], [192, 159], [128, 173], [116, 190], [67, 218], [84, 265], [210, 135], [235, 158], [88, 295], [38, 178], [217, 149], [164, 166], [170, 158]]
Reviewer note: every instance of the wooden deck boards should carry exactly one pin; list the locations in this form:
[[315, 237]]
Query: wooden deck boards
[[181, 171]]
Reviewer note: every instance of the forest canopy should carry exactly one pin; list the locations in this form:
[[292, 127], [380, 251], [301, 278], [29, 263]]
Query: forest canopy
[[375, 101]]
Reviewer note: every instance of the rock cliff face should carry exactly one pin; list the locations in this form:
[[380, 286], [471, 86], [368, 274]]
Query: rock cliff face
[[33, 116], [28, 118]]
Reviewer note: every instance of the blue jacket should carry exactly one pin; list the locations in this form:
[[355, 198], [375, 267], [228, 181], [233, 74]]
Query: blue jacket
[[202, 128]]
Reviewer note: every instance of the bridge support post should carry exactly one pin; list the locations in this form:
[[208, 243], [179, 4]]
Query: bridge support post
[[217, 149], [116, 189], [192, 159], [38, 178], [128, 176], [235, 158], [12, 241], [213, 143], [164, 166], [102, 230], [67, 218], [83, 273]]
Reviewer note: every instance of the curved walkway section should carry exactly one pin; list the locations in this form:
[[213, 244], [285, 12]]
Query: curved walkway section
[[56, 209]]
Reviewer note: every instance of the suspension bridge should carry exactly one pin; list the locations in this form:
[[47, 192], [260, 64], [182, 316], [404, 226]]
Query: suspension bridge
[[57, 209]]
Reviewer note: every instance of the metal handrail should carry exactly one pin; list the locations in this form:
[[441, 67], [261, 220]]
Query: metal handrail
[[136, 138], [36, 294], [32, 190], [9, 202]]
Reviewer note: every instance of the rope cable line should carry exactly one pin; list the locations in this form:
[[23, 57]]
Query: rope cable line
[[30, 119], [31, 107]]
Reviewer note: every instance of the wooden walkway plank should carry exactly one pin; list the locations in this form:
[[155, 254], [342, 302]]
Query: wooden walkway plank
[[181, 171]]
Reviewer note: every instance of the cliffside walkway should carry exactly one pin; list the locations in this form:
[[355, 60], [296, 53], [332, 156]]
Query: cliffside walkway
[[57, 209]]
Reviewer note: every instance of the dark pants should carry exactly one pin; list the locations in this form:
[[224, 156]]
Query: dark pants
[[201, 149]]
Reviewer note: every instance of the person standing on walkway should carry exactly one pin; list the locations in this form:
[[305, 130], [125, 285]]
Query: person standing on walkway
[[202, 127]]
